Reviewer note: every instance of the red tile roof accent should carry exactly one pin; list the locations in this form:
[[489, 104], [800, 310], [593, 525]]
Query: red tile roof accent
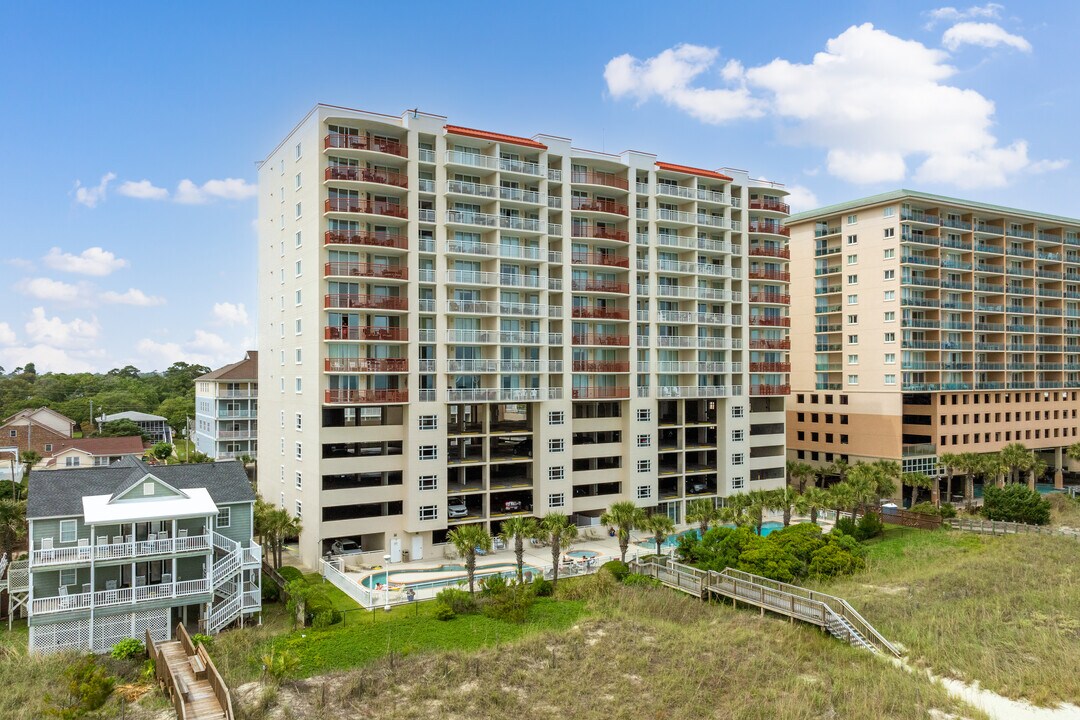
[[691, 170], [128, 445], [497, 137]]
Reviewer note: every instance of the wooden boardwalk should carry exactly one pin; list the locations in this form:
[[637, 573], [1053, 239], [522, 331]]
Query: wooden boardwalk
[[189, 677]]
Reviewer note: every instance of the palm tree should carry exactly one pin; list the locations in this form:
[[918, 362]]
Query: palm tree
[[784, 499], [273, 526], [815, 499], [862, 481], [734, 510], [993, 465], [703, 512], [516, 529], [12, 523], [467, 539], [842, 496], [1016, 457], [920, 481], [886, 479], [557, 530], [758, 503], [623, 516], [1035, 472], [951, 462], [659, 525], [840, 469], [969, 463]]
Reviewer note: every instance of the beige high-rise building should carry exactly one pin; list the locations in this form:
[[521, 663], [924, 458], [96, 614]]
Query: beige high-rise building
[[458, 326], [925, 325]]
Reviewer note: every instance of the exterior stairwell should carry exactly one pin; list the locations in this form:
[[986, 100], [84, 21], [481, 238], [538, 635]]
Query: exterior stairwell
[[228, 584], [839, 627]]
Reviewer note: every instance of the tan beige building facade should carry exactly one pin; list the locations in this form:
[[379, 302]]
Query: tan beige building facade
[[458, 326], [924, 325]]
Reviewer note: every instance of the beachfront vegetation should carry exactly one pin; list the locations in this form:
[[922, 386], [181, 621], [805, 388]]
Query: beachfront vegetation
[[1016, 503]]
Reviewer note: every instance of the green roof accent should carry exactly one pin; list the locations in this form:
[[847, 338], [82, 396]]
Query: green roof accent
[[903, 194]]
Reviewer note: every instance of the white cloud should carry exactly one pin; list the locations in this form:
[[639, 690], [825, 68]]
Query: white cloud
[[204, 348], [142, 190], [54, 332], [45, 358], [92, 261], [875, 102], [21, 263], [982, 35], [951, 14], [48, 289], [801, 198], [669, 76], [91, 196], [132, 297], [227, 313], [7, 335], [189, 193]]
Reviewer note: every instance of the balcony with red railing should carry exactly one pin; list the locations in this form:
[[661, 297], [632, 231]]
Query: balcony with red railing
[[770, 321], [370, 270], [770, 344], [759, 273], [369, 207], [768, 226], [605, 259], [363, 142], [351, 397], [371, 175], [367, 365], [600, 313], [769, 204], [603, 286], [776, 252], [604, 206], [370, 238], [770, 389], [770, 367], [601, 366], [598, 232], [366, 333], [594, 177], [767, 297], [371, 302], [597, 339], [601, 393]]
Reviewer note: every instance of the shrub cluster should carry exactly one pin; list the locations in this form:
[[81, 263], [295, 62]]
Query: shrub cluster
[[127, 649], [1016, 503], [790, 554], [497, 598], [868, 526], [946, 510]]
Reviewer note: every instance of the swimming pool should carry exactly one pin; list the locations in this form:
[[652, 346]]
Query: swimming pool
[[673, 541], [583, 554], [441, 576]]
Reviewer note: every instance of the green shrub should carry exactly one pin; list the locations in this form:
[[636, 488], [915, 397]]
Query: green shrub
[[511, 604], [722, 547], [324, 619], [147, 672], [88, 687], [542, 587], [128, 648], [926, 508], [460, 601], [279, 663], [639, 580], [270, 591], [770, 560], [833, 559], [846, 526], [201, 639], [1016, 503], [589, 587], [869, 526], [492, 586], [290, 573], [802, 540], [444, 612], [947, 510], [616, 568]]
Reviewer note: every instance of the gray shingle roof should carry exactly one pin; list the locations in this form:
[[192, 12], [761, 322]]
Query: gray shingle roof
[[59, 492], [133, 415]]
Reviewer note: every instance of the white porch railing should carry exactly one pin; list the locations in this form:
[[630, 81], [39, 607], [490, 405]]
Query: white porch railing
[[121, 596], [119, 551]]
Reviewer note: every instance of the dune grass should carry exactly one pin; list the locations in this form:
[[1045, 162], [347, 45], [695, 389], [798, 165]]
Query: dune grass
[[1001, 610]]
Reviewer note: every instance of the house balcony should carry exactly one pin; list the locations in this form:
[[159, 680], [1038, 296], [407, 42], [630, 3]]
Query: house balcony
[[603, 259], [600, 286], [764, 389], [769, 321], [600, 206], [770, 344], [592, 177], [237, 434], [758, 251], [770, 367], [370, 238], [366, 207], [601, 366], [366, 365], [602, 340], [771, 205], [363, 142], [694, 391], [369, 175], [768, 274], [370, 270], [768, 226], [600, 313], [770, 298], [120, 596], [343, 301], [598, 232], [366, 333], [119, 550], [601, 393], [357, 397]]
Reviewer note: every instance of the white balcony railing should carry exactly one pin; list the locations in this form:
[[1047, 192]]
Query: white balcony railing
[[117, 551], [120, 596]]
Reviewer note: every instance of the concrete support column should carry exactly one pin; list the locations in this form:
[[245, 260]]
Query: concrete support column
[[1059, 475]]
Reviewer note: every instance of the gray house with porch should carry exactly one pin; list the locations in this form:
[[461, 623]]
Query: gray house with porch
[[130, 547]]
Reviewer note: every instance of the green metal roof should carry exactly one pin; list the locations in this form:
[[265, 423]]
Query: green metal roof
[[902, 194]]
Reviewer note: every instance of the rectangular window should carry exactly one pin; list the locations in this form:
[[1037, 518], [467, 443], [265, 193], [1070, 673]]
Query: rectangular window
[[299, 297], [48, 447], [890, 379], [299, 385], [890, 233], [68, 577], [852, 259], [852, 299], [853, 319], [890, 337], [429, 482], [68, 530], [298, 209], [299, 510], [890, 316], [299, 268], [556, 417], [853, 359], [853, 339], [737, 435], [738, 411], [890, 295], [853, 379], [852, 239], [429, 422], [644, 415], [556, 500], [738, 483], [556, 445], [890, 358], [299, 421], [429, 452], [738, 458], [299, 451], [298, 326], [298, 150], [429, 512], [298, 183], [889, 212], [644, 491], [890, 274], [644, 466], [644, 440], [71, 461], [298, 356], [890, 253], [852, 219], [557, 473], [299, 480], [299, 239], [224, 517]]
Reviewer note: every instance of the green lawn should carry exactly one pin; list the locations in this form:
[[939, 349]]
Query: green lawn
[[183, 449]]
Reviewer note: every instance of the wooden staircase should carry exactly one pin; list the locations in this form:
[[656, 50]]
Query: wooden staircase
[[188, 676]]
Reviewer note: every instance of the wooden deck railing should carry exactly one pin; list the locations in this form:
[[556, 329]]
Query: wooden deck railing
[[165, 677], [217, 683], [897, 516], [1001, 527]]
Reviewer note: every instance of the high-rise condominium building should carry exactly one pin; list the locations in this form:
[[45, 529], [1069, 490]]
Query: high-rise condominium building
[[929, 325], [459, 326]]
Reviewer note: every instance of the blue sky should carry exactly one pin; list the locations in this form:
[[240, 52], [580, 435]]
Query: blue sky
[[131, 130]]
